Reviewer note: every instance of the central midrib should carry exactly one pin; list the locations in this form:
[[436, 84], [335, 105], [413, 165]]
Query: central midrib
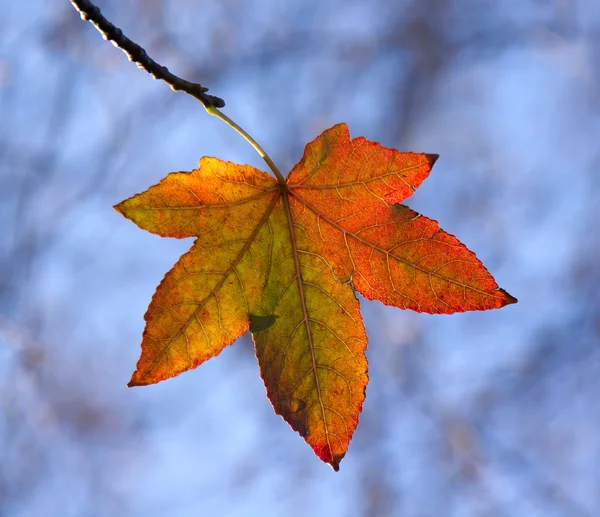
[[288, 212]]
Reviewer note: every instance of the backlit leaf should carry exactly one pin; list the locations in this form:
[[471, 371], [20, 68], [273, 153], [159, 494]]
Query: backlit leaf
[[285, 260]]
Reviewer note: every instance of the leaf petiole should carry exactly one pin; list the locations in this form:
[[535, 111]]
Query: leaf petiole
[[211, 110], [137, 54]]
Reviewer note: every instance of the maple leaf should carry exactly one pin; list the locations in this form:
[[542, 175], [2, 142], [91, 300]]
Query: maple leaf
[[285, 260]]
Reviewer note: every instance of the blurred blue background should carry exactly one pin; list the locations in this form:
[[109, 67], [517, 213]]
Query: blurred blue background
[[481, 414]]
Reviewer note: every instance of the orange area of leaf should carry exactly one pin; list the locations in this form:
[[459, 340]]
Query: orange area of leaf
[[285, 261], [346, 195]]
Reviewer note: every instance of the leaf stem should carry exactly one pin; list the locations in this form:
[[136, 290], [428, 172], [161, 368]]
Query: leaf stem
[[261, 152], [138, 55]]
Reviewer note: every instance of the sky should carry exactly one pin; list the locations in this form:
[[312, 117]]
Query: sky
[[477, 414]]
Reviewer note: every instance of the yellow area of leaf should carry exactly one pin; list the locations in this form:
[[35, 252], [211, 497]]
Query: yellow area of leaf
[[283, 260], [202, 304]]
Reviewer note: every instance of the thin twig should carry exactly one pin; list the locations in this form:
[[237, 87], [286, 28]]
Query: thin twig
[[138, 55]]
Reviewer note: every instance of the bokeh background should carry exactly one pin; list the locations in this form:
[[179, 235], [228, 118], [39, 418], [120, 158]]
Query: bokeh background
[[481, 414]]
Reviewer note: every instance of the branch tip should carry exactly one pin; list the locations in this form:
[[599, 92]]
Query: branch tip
[[89, 12]]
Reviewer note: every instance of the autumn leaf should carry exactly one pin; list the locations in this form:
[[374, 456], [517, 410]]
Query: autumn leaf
[[285, 261]]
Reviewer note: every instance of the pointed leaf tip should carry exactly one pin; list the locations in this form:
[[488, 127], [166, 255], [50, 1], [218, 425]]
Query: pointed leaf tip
[[431, 159], [335, 464], [133, 382], [118, 209], [510, 299]]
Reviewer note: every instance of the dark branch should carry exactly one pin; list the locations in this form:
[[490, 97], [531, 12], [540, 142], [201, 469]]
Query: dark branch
[[138, 55]]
